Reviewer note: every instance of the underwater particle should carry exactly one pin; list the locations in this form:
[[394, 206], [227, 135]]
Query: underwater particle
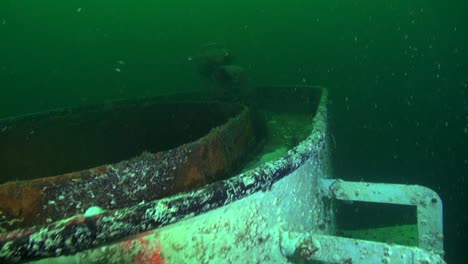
[[3, 21], [189, 58], [93, 210], [121, 62]]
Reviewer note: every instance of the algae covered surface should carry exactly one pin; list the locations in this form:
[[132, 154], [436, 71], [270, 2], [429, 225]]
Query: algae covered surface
[[283, 131], [402, 235]]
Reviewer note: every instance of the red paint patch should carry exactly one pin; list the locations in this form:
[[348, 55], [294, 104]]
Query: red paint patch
[[127, 245], [150, 255], [150, 251]]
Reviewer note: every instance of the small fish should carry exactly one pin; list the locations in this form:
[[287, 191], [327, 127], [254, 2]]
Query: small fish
[[121, 62], [117, 69], [78, 10]]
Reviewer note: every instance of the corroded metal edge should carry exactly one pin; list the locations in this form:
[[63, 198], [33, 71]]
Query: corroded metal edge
[[58, 141], [79, 233], [147, 177]]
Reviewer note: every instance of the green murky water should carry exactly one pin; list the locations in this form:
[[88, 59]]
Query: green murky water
[[397, 71]]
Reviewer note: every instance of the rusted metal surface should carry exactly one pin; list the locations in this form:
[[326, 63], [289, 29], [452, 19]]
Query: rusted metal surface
[[79, 233], [72, 139], [146, 177]]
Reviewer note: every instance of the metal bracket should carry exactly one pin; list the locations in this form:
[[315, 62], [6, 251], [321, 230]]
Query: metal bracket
[[332, 249]]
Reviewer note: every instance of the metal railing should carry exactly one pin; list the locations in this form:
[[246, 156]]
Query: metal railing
[[333, 249]]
